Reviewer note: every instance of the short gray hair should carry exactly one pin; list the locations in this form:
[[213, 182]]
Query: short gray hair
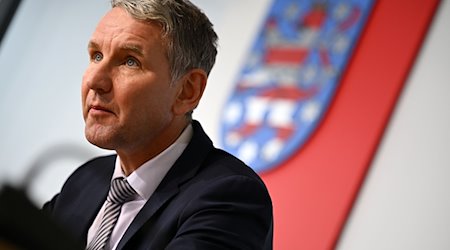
[[189, 35]]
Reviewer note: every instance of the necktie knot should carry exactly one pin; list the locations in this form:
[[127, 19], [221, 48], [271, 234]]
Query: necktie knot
[[121, 191]]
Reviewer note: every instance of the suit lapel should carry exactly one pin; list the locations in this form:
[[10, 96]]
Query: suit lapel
[[199, 146], [93, 196]]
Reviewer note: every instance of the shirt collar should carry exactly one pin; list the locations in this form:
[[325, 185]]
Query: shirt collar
[[147, 177]]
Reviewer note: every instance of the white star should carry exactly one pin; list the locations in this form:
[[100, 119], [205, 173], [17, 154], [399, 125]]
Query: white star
[[310, 111], [340, 44], [232, 113], [272, 150], [248, 152]]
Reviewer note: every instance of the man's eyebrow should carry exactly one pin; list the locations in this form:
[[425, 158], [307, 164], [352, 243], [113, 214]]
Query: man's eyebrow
[[93, 45], [134, 48], [130, 47]]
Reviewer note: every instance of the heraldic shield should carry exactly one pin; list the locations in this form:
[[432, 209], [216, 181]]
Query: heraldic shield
[[290, 77]]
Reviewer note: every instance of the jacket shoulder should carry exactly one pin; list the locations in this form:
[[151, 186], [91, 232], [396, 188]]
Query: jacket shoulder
[[97, 171]]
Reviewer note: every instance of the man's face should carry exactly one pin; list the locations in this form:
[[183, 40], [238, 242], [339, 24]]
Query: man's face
[[126, 92]]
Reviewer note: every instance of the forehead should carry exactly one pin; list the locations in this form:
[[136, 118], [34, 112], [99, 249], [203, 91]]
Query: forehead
[[118, 25]]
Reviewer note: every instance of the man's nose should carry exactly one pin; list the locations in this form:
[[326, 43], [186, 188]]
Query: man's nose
[[98, 77]]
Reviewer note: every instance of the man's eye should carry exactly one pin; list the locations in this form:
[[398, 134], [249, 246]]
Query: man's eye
[[131, 62], [97, 57]]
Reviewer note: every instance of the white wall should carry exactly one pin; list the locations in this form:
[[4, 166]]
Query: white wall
[[41, 62], [404, 201]]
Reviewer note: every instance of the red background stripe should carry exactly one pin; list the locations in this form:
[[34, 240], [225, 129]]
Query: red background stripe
[[314, 191]]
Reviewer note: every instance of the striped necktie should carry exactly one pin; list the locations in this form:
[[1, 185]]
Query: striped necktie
[[120, 192]]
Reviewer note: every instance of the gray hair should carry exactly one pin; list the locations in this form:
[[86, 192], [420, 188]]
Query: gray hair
[[189, 35]]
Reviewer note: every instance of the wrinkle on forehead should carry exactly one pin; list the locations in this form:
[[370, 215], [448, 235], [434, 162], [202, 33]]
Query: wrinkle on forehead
[[119, 19], [119, 23]]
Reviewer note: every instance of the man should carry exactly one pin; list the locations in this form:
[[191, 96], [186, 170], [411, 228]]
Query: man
[[149, 63]]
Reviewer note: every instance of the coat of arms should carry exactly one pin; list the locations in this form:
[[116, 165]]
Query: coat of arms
[[290, 78]]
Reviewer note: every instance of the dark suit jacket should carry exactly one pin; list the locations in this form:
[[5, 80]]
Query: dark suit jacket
[[208, 200]]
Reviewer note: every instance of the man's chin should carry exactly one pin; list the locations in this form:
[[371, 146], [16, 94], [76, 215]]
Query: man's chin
[[101, 140]]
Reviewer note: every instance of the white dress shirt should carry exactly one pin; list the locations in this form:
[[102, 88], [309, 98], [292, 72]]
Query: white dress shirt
[[144, 181]]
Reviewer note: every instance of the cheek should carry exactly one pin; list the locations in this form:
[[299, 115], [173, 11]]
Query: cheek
[[146, 95], [139, 102], [148, 104]]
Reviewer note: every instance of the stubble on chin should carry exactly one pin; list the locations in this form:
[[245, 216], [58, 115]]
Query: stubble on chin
[[100, 136]]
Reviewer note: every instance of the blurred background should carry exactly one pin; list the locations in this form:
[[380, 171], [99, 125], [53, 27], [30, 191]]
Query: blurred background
[[398, 197]]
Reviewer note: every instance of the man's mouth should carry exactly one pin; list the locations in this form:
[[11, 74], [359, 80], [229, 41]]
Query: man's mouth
[[98, 109]]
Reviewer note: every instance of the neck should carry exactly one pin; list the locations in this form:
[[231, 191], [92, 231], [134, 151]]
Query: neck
[[132, 159]]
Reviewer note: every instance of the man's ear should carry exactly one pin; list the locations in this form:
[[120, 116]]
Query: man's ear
[[191, 87]]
